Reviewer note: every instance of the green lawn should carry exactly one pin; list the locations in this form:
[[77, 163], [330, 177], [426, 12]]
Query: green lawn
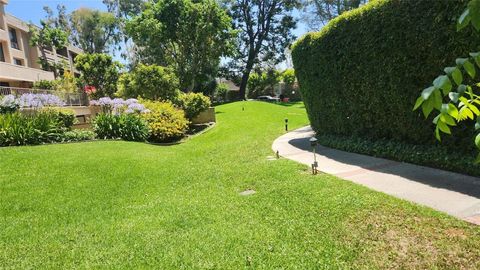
[[114, 204]]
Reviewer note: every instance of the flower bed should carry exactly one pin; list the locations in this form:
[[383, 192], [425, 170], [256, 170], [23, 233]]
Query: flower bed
[[43, 120]]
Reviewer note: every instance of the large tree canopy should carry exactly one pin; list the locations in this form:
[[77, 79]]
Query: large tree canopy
[[190, 36], [124, 8], [265, 27], [94, 31]]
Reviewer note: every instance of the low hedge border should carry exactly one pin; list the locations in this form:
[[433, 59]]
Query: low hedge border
[[425, 155]]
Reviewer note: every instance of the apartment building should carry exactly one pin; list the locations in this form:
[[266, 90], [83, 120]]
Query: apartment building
[[19, 65]]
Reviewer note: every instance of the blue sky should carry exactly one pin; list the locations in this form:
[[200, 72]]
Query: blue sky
[[32, 10]]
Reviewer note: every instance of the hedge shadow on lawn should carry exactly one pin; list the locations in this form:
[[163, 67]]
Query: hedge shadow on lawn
[[467, 185], [289, 104]]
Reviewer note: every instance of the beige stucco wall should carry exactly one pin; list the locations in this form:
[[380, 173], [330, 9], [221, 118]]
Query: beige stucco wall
[[30, 71], [11, 72], [207, 116]]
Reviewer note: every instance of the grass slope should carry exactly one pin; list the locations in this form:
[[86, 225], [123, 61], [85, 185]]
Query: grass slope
[[132, 205]]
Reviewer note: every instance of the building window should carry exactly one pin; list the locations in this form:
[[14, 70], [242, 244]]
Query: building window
[[13, 38], [2, 54], [18, 62]]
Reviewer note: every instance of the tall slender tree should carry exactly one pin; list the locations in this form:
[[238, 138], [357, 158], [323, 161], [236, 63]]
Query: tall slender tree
[[50, 35], [266, 30], [124, 10]]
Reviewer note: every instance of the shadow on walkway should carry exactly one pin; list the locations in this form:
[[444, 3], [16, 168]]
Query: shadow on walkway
[[467, 185]]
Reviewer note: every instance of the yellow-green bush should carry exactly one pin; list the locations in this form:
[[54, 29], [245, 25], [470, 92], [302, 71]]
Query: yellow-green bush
[[361, 74], [193, 104], [166, 123]]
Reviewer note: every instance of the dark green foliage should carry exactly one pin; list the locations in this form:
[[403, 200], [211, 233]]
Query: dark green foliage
[[65, 117], [99, 70], [30, 129], [78, 135], [44, 84], [190, 36], [128, 127], [427, 155], [263, 83], [149, 82], [193, 104], [363, 72]]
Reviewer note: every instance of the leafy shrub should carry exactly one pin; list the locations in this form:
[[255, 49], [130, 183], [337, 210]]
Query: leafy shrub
[[65, 117], [166, 123], [427, 155], [24, 129], [78, 135], [262, 83], [44, 84], [129, 127], [221, 92], [361, 74], [149, 82], [193, 104], [99, 70], [288, 76], [67, 83]]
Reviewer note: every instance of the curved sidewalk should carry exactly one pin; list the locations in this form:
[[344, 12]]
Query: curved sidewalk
[[452, 193]]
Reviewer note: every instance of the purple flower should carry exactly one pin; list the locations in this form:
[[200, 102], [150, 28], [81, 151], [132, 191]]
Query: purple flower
[[136, 107], [8, 104], [39, 101], [118, 105], [130, 101], [105, 101]]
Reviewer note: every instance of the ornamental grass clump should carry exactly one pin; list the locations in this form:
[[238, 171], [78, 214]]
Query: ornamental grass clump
[[30, 129], [128, 127]]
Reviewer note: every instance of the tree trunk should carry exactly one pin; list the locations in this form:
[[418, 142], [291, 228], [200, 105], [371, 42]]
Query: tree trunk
[[243, 85], [246, 75]]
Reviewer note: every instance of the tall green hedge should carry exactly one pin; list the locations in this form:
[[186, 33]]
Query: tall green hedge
[[361, 74]]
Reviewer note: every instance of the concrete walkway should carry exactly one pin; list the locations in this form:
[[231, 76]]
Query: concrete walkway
[[452, 193]]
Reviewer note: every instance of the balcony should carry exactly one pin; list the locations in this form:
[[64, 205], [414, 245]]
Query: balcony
[[10, 72]]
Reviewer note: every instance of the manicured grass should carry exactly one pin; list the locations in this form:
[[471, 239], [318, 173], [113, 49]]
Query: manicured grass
[[132, 205]]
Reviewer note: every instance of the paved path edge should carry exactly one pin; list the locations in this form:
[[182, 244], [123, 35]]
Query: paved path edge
[[452, 193]]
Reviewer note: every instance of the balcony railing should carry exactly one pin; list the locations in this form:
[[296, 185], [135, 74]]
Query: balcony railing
[[70, 99]]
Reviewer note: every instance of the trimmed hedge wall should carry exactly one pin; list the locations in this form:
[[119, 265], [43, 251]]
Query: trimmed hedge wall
[[361, 74]]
